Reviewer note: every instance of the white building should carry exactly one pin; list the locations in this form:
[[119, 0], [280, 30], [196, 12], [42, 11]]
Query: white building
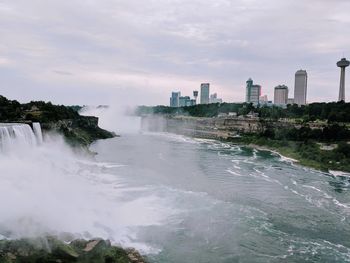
[[281, 95], [263, 99], [214, 99], [300, 87]]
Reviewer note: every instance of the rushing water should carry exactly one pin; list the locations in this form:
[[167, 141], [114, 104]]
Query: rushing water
[[225, 203], [177, 199]]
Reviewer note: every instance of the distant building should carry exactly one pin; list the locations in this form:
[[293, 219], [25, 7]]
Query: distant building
[[195, 95], [186, 101], [175, 99], [290, 101], [281, 95], [204, 93], [253, 92], [300, 87], [214, 99], [263, 99], [342, 64]]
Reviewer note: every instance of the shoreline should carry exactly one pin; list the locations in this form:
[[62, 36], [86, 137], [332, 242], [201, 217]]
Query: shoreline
[[285, 152], [265, 148]]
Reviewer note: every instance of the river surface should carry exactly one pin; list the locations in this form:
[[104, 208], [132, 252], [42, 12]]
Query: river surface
[[207, 201]]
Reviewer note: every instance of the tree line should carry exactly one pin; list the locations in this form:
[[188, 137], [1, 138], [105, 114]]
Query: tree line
[[330, 112]]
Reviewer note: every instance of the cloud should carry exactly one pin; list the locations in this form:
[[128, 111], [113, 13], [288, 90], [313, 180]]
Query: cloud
[[114, 48]]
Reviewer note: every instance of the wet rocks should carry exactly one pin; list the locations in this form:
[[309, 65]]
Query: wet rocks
[[52, 250]]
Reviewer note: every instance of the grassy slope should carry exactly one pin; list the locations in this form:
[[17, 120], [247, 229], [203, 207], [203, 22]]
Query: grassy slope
[[307, 154]]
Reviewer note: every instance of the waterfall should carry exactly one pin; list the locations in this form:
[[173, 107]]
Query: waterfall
[[15, 134], [38, 133]]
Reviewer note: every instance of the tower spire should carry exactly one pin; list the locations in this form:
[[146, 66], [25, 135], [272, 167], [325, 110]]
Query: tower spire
[[342, 64]]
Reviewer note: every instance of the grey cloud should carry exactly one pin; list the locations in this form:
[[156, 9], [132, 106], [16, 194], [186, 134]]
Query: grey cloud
[[133, 47]]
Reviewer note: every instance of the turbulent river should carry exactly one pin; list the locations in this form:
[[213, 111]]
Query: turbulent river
[[178, 199], [218, 202]]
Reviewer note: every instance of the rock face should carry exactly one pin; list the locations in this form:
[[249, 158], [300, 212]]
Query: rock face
[[79, 131], [50, 250], [211, 128]]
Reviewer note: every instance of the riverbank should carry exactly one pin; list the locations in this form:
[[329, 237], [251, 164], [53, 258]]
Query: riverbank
[[307, 154], [323, 147]]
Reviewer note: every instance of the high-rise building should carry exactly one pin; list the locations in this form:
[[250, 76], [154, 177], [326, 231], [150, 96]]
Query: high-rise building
[[281, 95], [300, 87], [214, 98], [253, 92], [185, 101], [343, 63], [175, 99], [204, 93]]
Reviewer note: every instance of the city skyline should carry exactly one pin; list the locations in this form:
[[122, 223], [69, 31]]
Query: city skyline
[[134, 51], [281, 97]]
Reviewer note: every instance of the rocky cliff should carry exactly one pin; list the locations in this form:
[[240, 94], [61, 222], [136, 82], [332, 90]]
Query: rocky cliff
[[83, 130]]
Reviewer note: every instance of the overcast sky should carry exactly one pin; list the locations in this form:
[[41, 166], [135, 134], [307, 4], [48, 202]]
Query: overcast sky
[[104, 51]]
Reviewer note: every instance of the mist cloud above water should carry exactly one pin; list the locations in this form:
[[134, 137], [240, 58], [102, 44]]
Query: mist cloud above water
[[117, 117], [50, 189], [94, 52]]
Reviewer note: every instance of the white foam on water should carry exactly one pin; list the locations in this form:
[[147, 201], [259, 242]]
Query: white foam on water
[[339, 173], [234, 173]]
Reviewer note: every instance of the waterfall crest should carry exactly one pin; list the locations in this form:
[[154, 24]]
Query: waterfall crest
[[15, 134]]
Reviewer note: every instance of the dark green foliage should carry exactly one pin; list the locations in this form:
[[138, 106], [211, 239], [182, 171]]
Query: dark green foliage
[[331, 112], [9, 109], [333, 132], [12, 110]]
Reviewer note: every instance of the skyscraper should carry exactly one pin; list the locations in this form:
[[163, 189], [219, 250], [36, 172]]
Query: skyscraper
[[281, 95], [300, 87], [175, 99], [205, 93], [253, 92]]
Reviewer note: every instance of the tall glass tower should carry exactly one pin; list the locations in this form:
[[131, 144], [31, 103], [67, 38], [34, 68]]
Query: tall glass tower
[[300, 87], [205, 93]]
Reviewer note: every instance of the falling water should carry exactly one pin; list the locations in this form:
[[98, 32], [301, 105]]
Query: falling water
[[14, 134], [38, 133]]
